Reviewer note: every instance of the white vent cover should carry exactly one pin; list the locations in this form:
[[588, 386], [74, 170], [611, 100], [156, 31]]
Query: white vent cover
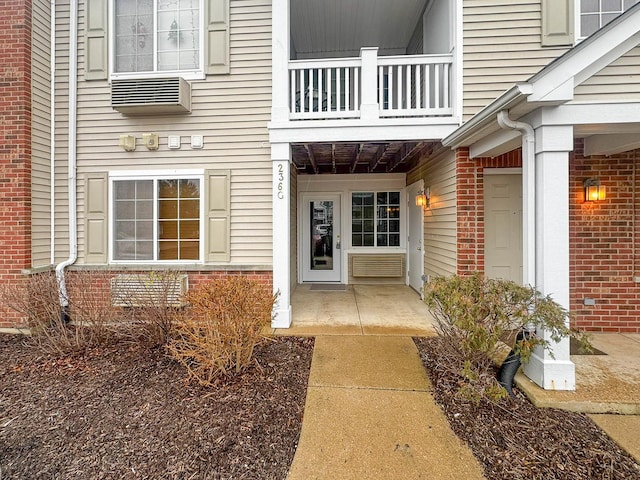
[[151, 95], [139, 290]]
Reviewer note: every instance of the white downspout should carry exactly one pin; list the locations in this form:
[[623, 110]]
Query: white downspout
[[528, 195], [52, 147], [73, 87]]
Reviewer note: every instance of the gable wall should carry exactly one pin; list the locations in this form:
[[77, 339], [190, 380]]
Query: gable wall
[[502, 46], [620, 81]]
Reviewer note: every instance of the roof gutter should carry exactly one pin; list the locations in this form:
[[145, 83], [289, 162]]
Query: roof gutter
[[487, 115], [73, 91]]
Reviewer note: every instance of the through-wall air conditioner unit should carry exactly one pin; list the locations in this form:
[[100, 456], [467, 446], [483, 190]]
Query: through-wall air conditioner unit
[[151, 95]]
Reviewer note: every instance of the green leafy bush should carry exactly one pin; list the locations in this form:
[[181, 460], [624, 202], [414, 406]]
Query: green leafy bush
[[217, 332], [474, 313]]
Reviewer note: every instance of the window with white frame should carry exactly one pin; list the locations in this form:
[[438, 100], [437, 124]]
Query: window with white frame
[[595, 14], [375, 219], [157, 36], [156, 219]]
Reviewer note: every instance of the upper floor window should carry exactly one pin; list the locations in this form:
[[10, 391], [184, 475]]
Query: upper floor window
[[157, 36], [595, 14]]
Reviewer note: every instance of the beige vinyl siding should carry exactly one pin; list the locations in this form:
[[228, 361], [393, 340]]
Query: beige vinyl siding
[[231, 111], [439, 175], [61, 228], [616, 82], [502, 46], [41, 134]]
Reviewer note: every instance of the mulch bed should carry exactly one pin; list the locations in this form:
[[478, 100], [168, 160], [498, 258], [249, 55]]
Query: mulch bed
[[515, 440], [125, 412]]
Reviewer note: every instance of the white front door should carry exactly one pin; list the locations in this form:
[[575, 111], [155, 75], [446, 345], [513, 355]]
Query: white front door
[[321, 242], [503, 226], [415, 250]]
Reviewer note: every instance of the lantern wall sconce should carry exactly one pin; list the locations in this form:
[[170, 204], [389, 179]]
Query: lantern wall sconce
[[423, 199], [593, 191]]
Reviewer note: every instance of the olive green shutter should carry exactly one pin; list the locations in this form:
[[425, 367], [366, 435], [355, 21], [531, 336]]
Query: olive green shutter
[[217, 36], [557, 23], [96, 61], [217, 216], [95, 218]]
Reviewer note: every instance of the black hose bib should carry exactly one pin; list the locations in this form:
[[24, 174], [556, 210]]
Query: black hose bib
[[510, 366]]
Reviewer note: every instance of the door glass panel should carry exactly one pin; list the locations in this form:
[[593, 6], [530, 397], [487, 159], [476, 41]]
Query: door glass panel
[[321, 214]]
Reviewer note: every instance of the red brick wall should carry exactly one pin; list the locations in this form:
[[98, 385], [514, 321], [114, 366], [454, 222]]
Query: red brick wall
[[605, 242], [470, 201], [15, 142]]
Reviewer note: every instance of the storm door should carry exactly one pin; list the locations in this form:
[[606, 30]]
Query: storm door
[[321, 248]]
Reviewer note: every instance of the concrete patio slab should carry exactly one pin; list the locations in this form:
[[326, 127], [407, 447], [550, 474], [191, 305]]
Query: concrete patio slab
[[605, 383]]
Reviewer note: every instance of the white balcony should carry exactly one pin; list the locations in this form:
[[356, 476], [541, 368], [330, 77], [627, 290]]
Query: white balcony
[[371, 87]]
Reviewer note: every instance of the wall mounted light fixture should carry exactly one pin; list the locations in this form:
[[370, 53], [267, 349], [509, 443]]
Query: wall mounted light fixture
[[593, 191], [423, 198]]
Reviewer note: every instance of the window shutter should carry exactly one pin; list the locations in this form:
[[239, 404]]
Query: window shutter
[[96, 63], [95, 218], [217, 217], [217, 36], [557, 23]]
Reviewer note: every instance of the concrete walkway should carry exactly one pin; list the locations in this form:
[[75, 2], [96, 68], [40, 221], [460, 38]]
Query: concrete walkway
[[369, 415]]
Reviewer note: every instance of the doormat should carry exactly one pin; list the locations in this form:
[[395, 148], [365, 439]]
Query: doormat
[[339, 287]]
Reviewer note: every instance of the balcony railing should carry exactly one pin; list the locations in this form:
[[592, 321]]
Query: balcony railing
[[370, 87]]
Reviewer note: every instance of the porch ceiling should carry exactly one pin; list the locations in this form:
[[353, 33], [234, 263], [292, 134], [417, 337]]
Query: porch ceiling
[[371, 157], [330, 28]]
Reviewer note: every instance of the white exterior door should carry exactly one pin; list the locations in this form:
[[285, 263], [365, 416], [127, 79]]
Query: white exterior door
[[503, 226], [321, 239], [415, 250]]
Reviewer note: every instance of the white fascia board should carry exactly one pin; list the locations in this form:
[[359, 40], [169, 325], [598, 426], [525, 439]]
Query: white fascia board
[[610, 144], [496, 144], [326, 132], [587, 58], [585, 114]]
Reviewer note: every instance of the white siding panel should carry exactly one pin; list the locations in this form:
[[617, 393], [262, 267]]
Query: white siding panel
[[502, 46], [440, 241], [41, 135], [230, 111], [618, 81]]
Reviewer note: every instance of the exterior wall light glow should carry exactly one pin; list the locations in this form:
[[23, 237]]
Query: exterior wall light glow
[[423, 199], [593, 191]]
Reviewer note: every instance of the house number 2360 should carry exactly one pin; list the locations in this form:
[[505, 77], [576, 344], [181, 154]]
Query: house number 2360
[[280, 181]]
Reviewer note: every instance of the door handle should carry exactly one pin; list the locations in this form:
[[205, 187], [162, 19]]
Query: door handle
[[419, 248]]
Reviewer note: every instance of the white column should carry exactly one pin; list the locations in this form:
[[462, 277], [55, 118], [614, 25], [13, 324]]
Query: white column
[[369, 108], [280, 155], [553, 144], [280, 61]]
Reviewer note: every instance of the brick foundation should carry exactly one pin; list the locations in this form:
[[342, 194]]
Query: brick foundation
[[15, 145]]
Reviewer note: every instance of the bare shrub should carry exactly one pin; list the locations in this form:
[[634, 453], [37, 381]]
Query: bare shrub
[[473, 314], [38, 301], [152, 305], [216, 335]]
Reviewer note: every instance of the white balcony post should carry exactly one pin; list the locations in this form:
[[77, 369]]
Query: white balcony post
[[369, 108], [552, 147], [280, 61], [280, 155]]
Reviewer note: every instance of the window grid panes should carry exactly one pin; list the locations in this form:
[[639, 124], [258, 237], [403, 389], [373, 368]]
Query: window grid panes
[[157, 35], [375, 219], [595, 14], [173, 227]]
